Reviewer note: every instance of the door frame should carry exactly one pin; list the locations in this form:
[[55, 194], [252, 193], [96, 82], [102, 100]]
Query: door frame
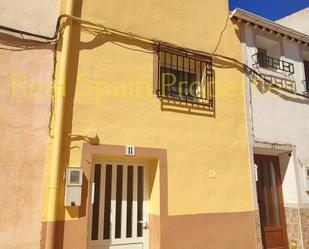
[[280, 196], [145, 239], [306, 74]]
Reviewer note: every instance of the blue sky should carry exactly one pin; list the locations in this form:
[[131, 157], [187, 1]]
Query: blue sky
[[270, 9]]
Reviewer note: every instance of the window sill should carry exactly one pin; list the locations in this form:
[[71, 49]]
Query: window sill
[[186, 99]]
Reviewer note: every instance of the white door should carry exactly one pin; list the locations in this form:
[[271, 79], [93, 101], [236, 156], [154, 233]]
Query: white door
[[119, 206]]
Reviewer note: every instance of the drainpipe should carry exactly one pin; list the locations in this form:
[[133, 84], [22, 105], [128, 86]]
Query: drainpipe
[[60, 94]]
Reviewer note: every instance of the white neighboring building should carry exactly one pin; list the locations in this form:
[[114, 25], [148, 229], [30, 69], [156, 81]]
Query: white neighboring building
[[298, 21], [278, 121]]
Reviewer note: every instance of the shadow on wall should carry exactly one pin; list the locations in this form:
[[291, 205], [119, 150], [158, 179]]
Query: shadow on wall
[[173, 105], [167, 104], [286, 82], [219, 62], [14, 43], [265, 88], [101, 38], [284, 163], [193, 107]]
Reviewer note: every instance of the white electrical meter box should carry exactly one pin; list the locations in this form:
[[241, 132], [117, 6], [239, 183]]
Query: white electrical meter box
[[73, 187], [307, 179]]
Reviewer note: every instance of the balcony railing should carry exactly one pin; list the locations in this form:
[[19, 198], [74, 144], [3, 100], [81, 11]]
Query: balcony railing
[[265, 61]]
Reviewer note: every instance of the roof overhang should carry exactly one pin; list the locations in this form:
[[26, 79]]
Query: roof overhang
[[269, 26]]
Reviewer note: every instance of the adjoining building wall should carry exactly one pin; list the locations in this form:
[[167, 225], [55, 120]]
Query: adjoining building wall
[[32, 16], [26, 70], [207, 186], [279, 118], [298, 21]]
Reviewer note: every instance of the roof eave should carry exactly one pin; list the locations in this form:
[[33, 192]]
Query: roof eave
[[256, 20]]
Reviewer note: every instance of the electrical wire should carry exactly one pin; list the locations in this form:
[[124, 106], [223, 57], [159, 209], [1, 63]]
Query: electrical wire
[[99, 29], [256, 73], [222, 32], [47, 39]]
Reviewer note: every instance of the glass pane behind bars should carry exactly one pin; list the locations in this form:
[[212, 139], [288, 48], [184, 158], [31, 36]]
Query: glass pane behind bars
[[140, 200], [118, 201]]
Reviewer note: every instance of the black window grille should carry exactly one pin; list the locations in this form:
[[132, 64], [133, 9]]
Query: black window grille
[[184, 76]]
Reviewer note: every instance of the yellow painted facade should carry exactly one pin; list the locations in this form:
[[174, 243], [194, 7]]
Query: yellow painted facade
[[110, 93]]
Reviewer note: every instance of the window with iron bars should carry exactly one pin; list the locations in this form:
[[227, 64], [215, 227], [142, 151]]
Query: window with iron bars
[[184, 76]]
